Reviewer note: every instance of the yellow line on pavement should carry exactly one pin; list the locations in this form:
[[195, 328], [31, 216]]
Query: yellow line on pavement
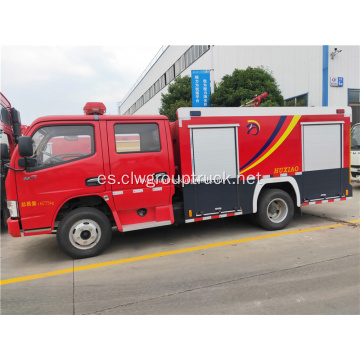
[[166, 253]]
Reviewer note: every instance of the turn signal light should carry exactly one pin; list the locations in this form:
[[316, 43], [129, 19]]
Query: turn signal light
[[94, 108]]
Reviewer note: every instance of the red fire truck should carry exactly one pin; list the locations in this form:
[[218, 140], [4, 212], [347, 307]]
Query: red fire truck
[[10, 130], [79, 176]]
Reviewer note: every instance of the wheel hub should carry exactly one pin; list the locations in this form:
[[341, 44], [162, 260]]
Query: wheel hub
[[277, 210], [85, 234]]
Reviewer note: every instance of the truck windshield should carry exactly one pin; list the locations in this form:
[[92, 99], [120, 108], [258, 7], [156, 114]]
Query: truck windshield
[[355, 137]]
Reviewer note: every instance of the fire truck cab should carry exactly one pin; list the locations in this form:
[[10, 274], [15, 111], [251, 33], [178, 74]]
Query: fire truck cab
[[10, 131], [78, 176]]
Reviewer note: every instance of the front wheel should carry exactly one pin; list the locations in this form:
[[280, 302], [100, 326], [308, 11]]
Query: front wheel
[[84, 232], [275, 209]]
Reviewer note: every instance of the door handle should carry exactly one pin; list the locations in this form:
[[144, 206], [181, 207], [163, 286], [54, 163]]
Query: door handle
[[160, 176], [93, 181]]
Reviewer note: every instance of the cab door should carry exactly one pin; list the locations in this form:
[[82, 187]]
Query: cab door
[[68, 158], [140, 173]]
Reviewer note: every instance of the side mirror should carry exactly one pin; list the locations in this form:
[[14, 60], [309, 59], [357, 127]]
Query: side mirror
[[5, 152], [25, 146], [16, 123]]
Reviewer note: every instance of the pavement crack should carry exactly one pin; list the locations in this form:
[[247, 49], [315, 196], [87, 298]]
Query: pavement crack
[[333, 220], [219, 283]]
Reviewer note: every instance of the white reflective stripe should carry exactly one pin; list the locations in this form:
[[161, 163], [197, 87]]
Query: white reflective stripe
[[338, 199], [238, 213], [138, 190], [183, 118], [298, 173], [190, 220], [157, 189], [266, 176], [212, 126], [206, 218], [284, 174], [322, 122], [325, 201], [117, 192], [222, 215]]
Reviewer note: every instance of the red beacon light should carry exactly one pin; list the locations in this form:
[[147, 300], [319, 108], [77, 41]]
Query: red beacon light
[[94, 108]]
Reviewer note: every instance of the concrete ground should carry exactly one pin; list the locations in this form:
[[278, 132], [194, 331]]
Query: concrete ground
[[225, 266]]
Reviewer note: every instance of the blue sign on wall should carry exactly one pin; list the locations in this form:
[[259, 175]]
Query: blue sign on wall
[[200, 84], [337, 81]]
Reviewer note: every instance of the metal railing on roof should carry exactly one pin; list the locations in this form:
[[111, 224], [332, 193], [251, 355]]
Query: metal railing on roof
[[151, 64]]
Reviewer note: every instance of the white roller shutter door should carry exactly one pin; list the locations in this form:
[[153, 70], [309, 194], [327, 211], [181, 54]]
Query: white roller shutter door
[[322, 147], [214, 152]]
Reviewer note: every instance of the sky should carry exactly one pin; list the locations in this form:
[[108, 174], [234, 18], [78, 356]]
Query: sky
[[59, 80], [55, 59]]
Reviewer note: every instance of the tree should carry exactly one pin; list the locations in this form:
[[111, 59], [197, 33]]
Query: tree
[[179, 95], [241, 87]]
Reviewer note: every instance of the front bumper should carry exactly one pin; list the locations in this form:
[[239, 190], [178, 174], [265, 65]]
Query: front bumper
[[13, 227]]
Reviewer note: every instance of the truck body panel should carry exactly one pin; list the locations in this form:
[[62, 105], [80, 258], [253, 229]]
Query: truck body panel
[[312, 148]]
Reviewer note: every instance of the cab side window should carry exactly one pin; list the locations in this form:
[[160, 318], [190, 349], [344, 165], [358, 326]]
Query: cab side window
[[55, 145], [137, 138]]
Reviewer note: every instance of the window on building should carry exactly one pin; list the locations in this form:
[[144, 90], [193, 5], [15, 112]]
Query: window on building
[[131, 138], [157, 86], [162, 82], [146, 96], [354, 102], [170, 74], [189, 57], [354, 96], [300, 100]]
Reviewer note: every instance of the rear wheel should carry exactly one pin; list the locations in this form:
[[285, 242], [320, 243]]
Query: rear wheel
[[275, 209], [84, 232]]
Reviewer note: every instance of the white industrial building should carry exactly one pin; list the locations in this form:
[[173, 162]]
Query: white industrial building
[[326, 75]]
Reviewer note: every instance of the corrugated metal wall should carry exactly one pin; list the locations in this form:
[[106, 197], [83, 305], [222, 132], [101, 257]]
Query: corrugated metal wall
[[297, 69]]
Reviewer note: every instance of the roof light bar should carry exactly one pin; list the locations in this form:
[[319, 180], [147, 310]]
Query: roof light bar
[[94, 108]]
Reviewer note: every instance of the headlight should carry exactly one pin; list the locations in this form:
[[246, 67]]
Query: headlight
[[13, 208]]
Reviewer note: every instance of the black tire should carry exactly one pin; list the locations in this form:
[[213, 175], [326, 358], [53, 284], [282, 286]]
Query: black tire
[[84, 232], [275, 209]]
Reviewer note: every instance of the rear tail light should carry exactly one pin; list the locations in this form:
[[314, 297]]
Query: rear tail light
[[13, 208], [340, 111]]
